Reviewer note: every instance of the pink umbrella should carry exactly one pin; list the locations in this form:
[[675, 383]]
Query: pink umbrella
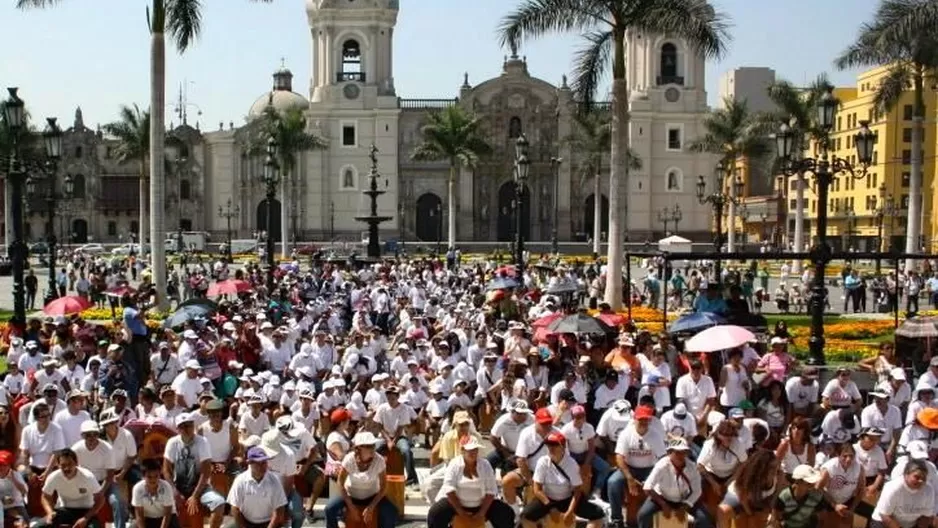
[[120, 291], [612, 319], [229, 287], [717, 338], [546, 320], [71, 304]]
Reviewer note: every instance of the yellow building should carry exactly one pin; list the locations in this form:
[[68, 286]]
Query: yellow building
[[856, 210]]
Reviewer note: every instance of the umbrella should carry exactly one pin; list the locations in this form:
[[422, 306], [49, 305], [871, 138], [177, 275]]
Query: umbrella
[[120, 291], [509, 271], [185, 314], [502, 283], [721, 337], [228, 287], [695, 322], [612, 319], [71, 304], [579, 324], [200, 301], [563, 288], [545, 321], [917, 327]]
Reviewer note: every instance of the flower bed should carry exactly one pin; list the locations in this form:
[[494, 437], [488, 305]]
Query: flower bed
[[854, 330]]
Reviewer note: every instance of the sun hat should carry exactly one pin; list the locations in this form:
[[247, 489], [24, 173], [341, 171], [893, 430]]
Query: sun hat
[[644, 412], [680, 410], [806, 474], [878, 393], [257, 454], [90, 426], [469, 442], [215, 405], [50, 387], [928, 417], [193, 364], [521, 407], [108, 417], [270, 442], [678, 444], [364, 439], [621, 406], [898, 373], [872, 431], [543, 416]]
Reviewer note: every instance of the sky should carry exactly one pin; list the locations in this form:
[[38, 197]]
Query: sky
[[95, 53]]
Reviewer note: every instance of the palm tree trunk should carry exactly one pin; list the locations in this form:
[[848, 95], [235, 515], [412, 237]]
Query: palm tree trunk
[[157, 157], [618, 168], [731, 222], [451, 206], [284, 215], [798, 242], [913, 235], [142, 228], [597, 214]]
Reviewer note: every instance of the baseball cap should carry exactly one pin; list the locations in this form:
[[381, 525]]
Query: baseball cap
[[556, 438], [521, 407], [806, 474], [469, 443], [644, 412], [678, 444], [566, 395], [578, 410], [918, 450], [90, 426], [543, 416], [736, 412], [680, 410], [193, 364], [183, 418], [897, 373], [878, 393]]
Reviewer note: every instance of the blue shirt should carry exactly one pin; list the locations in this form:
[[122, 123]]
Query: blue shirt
[[851, 282], [135, 325], [704, 304]]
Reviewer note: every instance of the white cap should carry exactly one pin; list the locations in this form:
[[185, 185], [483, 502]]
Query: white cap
[[918, 450], [183, 418], [897, 373], [234, 364], [364, 439], [193, 364], [678, 444], [190, 334], [806, 473], [266, 325], [471, 443], [90, 426], [778, 341]]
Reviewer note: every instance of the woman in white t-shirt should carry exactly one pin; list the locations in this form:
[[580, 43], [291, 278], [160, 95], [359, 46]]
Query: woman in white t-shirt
[[841, 391], [362, 479], [152, 498], [843, 482], [581, 442], [337, 443], [871, 456], [906, 502], [558, 488], [754, 489], [720, 457], [734, 381], [12, 488], [469, 490]]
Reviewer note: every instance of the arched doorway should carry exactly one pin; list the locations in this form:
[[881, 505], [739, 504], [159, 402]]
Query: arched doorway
[[274, 230], [429, 226], [79, 231], [588, 213], [507, 197]]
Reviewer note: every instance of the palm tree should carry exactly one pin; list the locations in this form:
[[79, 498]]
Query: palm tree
[[182, 19], [289, 131], [604, 24], [454, 135], [593, 139], [902, 35], [132, 132], [734, 134], [798, 106]]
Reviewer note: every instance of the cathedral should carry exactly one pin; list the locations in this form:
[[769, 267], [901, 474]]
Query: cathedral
[[352, 104]]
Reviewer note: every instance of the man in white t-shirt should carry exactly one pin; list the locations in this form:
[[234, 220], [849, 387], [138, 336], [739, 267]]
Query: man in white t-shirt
[[72, 417], [97, 456], [256, 496], [152, 498], [697, 392], [41, 440], [71, 495], [505, 434], [187, 385], [282, 462], [187, 465], [803, 391], [393, 418]]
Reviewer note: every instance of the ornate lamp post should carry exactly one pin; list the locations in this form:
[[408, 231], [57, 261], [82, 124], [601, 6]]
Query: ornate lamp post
[[228, 212], [664, 217], [373, 220], [14, 113], [826, 169], [522, 165], [744, 216], [887, 208], [271, 179], [554, 243], [52, 137], [719, 199], [765, 226]]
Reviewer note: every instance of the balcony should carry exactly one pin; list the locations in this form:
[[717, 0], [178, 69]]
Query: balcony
[[350, 76], [670, 79], [426, 104]]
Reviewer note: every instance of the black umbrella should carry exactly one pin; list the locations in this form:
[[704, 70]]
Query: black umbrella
[[200, 301], [580, 323], [185, 314]]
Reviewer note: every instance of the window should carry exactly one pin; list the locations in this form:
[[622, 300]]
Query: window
[[793, 185], [906, 157], [849, 141], [78, 152], [185, 224], [351, 62], [674, 180], [874, 181], [906, 177], [905, 201], [134, 228], [875, 157], [78, 186], [185, 190], [348, 178], [793, 204], [514, 127], [349, 135], [112, 229], [674, 137], [906, 135], [183, 152], [838, 123], [837, 143], [907, 112]]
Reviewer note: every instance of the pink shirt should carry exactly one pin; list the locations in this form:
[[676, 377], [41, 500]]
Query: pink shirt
[[776, 366]]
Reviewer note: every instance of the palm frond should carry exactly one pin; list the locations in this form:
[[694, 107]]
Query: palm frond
[[590, 64], [453, 134], [183, 22], [289, 130], [696, 22], [892, 86], [132, 132], [535, 18], [29, 4]]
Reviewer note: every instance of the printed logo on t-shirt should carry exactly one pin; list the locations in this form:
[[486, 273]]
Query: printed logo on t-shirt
[[82, 491], [839, 482]]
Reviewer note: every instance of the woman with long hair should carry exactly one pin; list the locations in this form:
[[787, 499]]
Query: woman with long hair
[[796, 448], [753, 490], [774, 409], [882, 364], [734, 381], [906, 502], [362, 487], [469, 490], [720, 457], [843, 482]]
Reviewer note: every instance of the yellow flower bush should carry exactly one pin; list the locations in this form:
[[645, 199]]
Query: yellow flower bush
[[854, 330]]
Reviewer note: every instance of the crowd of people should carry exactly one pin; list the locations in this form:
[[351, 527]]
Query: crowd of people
[[322, 388]]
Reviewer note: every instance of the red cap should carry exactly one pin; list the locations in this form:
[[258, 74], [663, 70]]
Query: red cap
[[556, 437], [644, 412], [6, 458], [543, 416], [339, 415]]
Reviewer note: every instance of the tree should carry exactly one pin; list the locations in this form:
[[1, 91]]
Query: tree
[[454, 135], [182, 19], [604, 25], [593, 140], [903, 35], [132, 132], [798, 107], [733, 133], [289, 131]]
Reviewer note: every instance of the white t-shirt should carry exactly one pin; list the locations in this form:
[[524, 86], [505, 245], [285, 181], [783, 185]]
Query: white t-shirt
[[841, 396], [391, 418], [75, 492], [188, 388], [578, 438], [99, 461], [257, 500], [531, 445], [507, 430], [680, 427], [254, 426], [904, 504], [199, 449], [611, 423], [873, 461], [843, 482], [722, 462], [123, 446], [640, 451], [556, 485], [41, 446], [71, 424], [363, 484], [889, 422], [695, 394], [800, 395], [832, 427], [10, 496], [470, 492], [154, 505], [665, 481]]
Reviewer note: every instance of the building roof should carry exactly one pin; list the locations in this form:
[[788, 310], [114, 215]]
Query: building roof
[[281, 97]]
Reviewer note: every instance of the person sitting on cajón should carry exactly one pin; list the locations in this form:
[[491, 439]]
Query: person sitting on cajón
[[152, 499], [257, 497], [71, 494]]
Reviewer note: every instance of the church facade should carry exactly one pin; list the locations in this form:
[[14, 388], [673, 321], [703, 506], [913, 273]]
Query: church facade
[[352, 103]]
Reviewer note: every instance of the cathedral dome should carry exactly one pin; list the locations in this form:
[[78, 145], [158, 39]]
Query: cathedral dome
[[281, 97]]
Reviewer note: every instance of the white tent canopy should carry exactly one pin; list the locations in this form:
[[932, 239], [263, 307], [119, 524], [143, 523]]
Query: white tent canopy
[[674, 244]]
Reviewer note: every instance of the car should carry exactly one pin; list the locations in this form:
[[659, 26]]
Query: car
[[39, 248], [307, 249], [126, 249], [91, 249]]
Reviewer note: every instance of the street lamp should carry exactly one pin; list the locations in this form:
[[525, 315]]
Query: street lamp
[[666, 216], [52, 137], [522, 165], [14, 115], [744, 216], [719, 199], [400, 222], [765, 227], [439, 228], [228, 212], [555, 166], [887, 208], [271, 179], [825, 168]]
